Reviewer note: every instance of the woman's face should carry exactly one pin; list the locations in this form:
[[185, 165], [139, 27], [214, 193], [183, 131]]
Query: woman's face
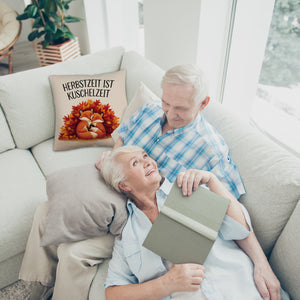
[[140, 170]]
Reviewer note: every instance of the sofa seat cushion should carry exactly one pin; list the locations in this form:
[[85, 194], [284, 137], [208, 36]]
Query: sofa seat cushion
[[6, 141], [51, 161], [33, 120], [270, 174], [23, 187]]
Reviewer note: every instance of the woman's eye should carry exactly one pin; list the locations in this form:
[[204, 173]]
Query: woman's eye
[[135, 163], [145, 155]]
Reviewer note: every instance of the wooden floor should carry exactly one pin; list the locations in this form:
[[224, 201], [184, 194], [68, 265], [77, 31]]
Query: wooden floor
[[23, 58]]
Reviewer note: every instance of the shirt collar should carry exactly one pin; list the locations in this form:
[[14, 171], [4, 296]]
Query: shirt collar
[[161, 195], [183, 129]]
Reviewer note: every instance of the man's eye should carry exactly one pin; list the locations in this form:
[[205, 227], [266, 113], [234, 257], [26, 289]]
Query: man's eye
[[145, 155], [135, 163]]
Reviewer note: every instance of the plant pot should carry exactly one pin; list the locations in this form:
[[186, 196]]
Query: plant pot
[[57, 53]]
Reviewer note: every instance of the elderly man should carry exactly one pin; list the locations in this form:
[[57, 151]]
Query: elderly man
[[176, 135], [141, 274]]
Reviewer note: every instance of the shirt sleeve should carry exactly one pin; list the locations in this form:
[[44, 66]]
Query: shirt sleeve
[[233, 230], [225, 169], [126, 128], [119, 272]]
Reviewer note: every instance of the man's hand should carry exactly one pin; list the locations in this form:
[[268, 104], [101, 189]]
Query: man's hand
[[183, 277], [101, 159], [189, 180], [266, 282]]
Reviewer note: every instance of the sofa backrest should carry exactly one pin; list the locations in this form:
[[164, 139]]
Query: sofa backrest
[[140, 69], [270, 174], [27, 101], [6, 140]]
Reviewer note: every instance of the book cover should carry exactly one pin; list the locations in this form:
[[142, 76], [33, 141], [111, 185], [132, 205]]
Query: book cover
[[187, 226]]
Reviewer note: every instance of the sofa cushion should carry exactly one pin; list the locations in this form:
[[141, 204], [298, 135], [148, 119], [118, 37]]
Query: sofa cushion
[[82, 206], [23, 187], [51, 161], [285, 256], [140, 69], [270, 174], [30, 92], [6, 140], [88, 108], [142, 96]]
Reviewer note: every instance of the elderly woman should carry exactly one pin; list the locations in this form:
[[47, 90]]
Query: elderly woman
[[137, 273]]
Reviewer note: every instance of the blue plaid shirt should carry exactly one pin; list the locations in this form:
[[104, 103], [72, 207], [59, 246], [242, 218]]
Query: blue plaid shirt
[[195, 146]]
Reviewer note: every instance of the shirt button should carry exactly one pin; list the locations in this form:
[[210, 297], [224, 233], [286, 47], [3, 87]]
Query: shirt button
[[157, 140]]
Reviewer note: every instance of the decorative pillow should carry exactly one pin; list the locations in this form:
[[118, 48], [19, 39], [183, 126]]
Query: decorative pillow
[[142, 96], [88, 108], [81, 206]]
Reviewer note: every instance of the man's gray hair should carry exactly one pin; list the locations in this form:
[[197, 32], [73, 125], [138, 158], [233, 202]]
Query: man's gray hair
[[188, 74], [112, 170]]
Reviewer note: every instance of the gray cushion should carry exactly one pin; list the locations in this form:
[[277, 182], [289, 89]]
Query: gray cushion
[[81, 206]]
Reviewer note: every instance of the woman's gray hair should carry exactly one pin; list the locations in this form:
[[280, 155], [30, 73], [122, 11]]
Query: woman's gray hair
[[112, 170], [188, 74]]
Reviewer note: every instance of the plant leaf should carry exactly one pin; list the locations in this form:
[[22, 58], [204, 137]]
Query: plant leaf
[[33, 35], [71, 19], [50, 27], [23, 16], [70, 35], [56, 17], [45, 44], [32, 11], [37, 23]]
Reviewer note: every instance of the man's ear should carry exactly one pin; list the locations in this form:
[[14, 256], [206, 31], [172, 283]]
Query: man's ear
[[124, 187], [204, 103]]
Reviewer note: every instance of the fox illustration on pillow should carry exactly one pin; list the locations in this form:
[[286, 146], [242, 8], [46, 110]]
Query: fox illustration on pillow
[[90, 125]]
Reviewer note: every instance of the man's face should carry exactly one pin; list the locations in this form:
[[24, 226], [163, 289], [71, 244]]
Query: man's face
[[179, 105], [140, 170]]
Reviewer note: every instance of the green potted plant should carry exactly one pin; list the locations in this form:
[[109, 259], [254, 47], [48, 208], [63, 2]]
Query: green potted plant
[[49, 23]]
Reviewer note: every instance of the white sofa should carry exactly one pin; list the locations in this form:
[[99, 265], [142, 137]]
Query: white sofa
[[27, 118]]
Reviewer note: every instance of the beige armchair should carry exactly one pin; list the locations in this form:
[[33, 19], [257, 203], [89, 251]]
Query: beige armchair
[[10, 30]]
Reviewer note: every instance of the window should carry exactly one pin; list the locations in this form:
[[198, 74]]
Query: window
[[276, 108]]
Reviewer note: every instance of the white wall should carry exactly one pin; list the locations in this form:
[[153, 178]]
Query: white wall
[[171, 31]]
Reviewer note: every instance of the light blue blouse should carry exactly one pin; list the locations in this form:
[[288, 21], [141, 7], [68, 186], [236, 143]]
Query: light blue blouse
[[229, 271]]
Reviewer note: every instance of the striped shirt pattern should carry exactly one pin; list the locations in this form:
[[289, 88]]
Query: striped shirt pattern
[[195, 146]]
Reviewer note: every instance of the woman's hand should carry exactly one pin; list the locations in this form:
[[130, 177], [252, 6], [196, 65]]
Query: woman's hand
[[189, 180], [183, 277]]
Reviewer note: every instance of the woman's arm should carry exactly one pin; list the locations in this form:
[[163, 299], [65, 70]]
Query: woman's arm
[[190, 180], [184, 277], [264, 277]]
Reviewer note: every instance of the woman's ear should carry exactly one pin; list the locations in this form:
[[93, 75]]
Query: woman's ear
[[124, 187]]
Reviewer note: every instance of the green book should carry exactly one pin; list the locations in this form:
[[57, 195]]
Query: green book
[[187, 226]]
